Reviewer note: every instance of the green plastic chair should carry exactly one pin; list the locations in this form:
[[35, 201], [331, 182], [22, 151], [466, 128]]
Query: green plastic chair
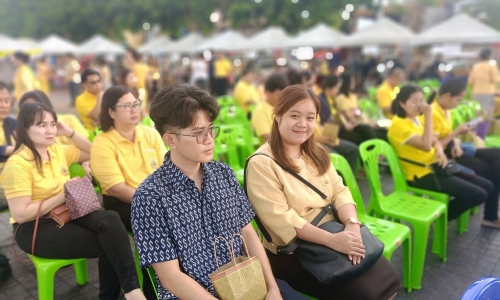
[[390, 233], [372, 93], [225, 149], [137, 261], [46, 269], [399, 205], [152, 277], [77, 170], [225, 101], [91, 135], [247, 141], [148, 122]]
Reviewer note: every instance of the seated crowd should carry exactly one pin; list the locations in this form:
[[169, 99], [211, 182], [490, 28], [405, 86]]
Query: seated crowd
[[176, 202]]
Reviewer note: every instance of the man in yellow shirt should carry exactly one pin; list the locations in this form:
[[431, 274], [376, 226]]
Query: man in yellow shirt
[[24, 78], [222, 70], [262, 116], [88, 104], [389, 89], [245, 92], [132, 60]]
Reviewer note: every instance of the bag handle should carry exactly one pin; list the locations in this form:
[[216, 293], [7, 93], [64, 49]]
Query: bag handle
[[243, 243], [35, 230], [231, 253], [329, 208]]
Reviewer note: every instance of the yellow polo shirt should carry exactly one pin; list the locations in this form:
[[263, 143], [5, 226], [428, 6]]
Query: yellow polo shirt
[[245, 92], [84, 104], [114, 159], [72, 122], [3, 141], [222, 68], [401, 130], [20, 176], [483, 78], [346, 103], [386, 93], [141, 71], [24, 80], [441, 121], [333, 110], [262, 119]]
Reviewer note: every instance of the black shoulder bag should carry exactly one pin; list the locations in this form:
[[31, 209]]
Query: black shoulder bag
[[325, 264]]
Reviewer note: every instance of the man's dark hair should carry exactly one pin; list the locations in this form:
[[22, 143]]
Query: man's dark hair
[[85, 75], [453, 86], [275, 82], [109, 100], [22, 56], [4, 86], [330, 81], [485, 54], [393, 70], [177, 105], [135, 55]]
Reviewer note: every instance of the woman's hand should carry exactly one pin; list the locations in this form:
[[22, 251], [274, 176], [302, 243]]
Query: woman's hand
[[274, 294], [426, 109], [348, 243], [441, 158], [355, 230], [63, 129]]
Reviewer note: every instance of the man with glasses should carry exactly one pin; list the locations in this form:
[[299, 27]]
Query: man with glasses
[[88, 104], [190, 200]]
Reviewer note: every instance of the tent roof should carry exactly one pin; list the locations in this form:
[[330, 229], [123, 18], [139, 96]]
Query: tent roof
[[384, 31], [100, 45], [459, 29], [156, 45], [227, 40], [319, 36], [269, 38], [55, 44], [187, 43]]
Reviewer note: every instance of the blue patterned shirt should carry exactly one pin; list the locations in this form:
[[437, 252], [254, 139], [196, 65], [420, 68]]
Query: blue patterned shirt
[[171, 220]]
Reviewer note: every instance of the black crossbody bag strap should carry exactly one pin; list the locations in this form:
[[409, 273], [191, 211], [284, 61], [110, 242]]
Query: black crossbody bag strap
[[290, 248], [436, 181]]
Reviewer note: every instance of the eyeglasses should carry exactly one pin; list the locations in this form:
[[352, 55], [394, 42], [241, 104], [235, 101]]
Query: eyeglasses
[[202, 135], [129, 106], [94, 82]]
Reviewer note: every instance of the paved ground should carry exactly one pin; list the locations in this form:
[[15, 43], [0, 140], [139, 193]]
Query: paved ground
[[470, 256]]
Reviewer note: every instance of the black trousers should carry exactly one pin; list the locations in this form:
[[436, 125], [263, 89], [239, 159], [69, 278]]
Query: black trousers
[[486, 163], [99, 234], [123, 210], [379, 282], [359, 134], [467, 192]]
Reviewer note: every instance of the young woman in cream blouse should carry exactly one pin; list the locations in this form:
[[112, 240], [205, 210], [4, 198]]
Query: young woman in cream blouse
[[286, 206]]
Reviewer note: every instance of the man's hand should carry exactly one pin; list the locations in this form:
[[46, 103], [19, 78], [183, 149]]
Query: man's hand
[[456, 151]]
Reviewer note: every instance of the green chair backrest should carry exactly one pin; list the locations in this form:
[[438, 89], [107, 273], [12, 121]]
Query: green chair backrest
[[233, 115], [148, 122], [226, 101], [226, 141], [370, 151], [342, 166], [372, 93], [456, 118], [91, 135]]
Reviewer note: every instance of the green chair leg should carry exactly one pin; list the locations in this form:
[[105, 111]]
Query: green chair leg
[[137, 261], [309, 297], [47, 268], [463, 222], [474, 210], [152, 277], [407, 264], [420, 235]]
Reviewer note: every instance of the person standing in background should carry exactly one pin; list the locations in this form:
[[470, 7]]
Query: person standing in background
[[72, 77], [245, 92], [132, 60], [101, 66], [44, 73], [88, 104], [199, 72], [222, 71], [483, 79], [388, 90], [24, 78]]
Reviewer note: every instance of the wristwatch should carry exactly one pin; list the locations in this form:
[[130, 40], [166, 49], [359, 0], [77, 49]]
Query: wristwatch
[[352, 220]]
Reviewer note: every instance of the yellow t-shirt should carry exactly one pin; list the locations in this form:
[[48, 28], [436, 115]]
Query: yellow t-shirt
[[20, 176], [84, 104], [222, 68], [262, 119], [24, 80], [43, 72], [333, 110], [114, 159], [72, 122], [141, 71], [385, 95], [401, 130], [483, 78], [283, 203], [244, 93], [3, 141], [441, 121], [346, 103]]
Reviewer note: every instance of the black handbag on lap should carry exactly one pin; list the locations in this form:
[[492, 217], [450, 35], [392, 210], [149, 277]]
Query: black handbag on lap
[[325, 264]]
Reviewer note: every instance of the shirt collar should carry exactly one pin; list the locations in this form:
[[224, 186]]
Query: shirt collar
[[177, 178], [138, 134], [27, 154]]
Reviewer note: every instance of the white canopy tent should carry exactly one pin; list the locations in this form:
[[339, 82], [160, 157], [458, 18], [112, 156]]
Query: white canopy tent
[[187, 43], [100, 45], [320, 36], [460, 29], [227, 41], [382, 32], [269, 38], [156, 46], [7, 43], [55, 44]]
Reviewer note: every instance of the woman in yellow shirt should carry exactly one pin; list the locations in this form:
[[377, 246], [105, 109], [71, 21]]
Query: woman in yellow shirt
[[124, 155], [69, 120], [355, 126], [483, 79], [34, 178], [286, 207], [24, 78], [44, 73], [485, 161], [418, 148]]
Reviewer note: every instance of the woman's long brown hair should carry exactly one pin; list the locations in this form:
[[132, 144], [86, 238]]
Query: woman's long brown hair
[[318, 156]]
